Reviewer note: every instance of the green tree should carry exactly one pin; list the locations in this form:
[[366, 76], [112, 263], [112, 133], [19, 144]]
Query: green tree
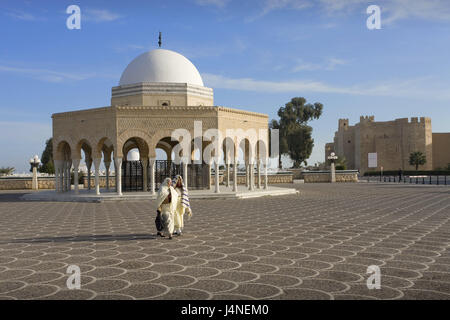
[[6, 171], [295, 135], [47, 165], [417, 159], [340, 163]]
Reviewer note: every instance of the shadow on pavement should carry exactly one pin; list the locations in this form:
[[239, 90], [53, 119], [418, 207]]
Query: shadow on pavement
[[102, 237], [12, 196]]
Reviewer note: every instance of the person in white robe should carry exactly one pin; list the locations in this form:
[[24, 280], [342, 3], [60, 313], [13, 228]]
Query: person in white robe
[[166, 202], [183, 205]]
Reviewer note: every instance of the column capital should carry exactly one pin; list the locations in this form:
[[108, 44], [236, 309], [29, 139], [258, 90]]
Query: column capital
[[107, 164], [97, 162], [76, 162]]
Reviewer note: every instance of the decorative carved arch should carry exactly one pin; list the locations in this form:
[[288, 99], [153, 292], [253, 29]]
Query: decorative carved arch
[[133, 133]]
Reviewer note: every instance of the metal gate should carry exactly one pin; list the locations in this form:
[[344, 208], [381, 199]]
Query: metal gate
[[165, 169], [132, 176], [197, 174]]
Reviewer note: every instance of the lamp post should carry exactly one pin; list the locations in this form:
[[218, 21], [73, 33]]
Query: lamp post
[[34, 162], [333, 157]]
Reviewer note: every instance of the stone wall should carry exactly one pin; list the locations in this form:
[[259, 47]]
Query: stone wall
[[441, 150], [325, 176], [25, 183], [273, 179], [393, 141], [102, 182]]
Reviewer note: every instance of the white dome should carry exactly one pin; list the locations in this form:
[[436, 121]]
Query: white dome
[[161, 65]]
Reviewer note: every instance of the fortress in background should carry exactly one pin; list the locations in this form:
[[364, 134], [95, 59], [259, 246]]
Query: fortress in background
[[393, 141]]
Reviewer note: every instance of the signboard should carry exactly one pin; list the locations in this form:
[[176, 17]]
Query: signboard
[[373, 160]]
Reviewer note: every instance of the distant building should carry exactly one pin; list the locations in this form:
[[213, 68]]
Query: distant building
[[392, 141]]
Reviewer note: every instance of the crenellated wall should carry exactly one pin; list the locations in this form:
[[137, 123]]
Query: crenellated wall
[[393, 141]]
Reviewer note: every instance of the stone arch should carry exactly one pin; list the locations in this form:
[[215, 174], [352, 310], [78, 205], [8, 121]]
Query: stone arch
[[261, 151], [162, 140], [135, 143], [57, 141], [229, 150], [161, 135], [83, 144], [134, 133], [63, 151], [246, 146], [105, 146]]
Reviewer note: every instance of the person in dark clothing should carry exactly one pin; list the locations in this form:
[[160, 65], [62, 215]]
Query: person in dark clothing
[[400, 174]]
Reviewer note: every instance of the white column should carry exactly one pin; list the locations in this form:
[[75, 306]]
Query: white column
[[152, 176], [247, 176], [56, 175], [88, 166], [97, 162], [115, 174], [235, 176], [209, 176], [333, 172], [118, 162], [216, 180], [63, 176], [252, 176], [69, 176], [266, 183], [34, 182], [76, 164], [57, 164], [185, 174], [107, 165], [144, 162], [228, 173], [258, 167]]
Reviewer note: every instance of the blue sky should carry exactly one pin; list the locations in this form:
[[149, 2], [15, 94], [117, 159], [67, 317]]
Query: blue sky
[[256, 55]]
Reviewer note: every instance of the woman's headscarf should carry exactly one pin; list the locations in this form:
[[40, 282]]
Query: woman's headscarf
[[164, 191], [184, 194]]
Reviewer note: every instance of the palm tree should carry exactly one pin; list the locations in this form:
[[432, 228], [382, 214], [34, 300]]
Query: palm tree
[[417, 159], [6, 171]]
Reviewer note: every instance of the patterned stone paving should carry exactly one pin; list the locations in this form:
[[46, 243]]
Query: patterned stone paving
[[316, 245]]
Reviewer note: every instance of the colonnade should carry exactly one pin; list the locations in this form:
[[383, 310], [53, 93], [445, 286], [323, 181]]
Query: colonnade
[[63, 175]]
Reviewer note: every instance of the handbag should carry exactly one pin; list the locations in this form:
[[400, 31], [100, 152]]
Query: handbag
[[158, 221]]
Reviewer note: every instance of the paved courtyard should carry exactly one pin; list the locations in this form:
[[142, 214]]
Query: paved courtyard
[[316, 245]]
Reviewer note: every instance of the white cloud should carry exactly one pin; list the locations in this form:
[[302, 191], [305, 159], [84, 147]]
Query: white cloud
[[424, 88], [25, 16], [99, 15], [56, 76], [426, 10], [271, 5], [47, 75], [329, 65], [392, 10], [217, 3]]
